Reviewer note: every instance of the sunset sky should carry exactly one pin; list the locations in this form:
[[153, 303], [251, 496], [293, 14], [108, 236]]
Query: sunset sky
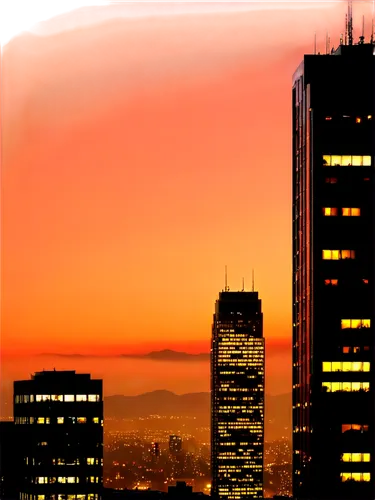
[[144, 147]]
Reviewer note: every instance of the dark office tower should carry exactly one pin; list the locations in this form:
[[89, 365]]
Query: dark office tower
[[9, 461], [334, 275], [237, 396], [59, 421], [175, 444]]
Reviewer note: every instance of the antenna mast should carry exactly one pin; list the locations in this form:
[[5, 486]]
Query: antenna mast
[[243, 284], [346, 29], [226, 280], [350, 22], [362, 38]]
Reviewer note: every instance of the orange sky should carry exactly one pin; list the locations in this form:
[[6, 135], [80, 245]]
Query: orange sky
[[139, 156]]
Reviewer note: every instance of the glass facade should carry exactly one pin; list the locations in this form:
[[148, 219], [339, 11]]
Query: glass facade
[[333, 274], [59, 421], [237, 393]]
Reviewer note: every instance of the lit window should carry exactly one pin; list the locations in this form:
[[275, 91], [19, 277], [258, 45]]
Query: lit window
[[338, 254], [355, 323], [354, 427], [365, 281], [347, 254], [351, 212], [347, 160], [345, 386], [95, 420], [68, 397], [91, 461], [326, 160], [367, 161], [42, 397], [355, 476], [328, 118], [358, 120], [57, 397], [81, 420], [41, 480], [356, 457], [40, 420], [60, 420], [346, 350], [81, 397], [346, 366], [329, 211], [94, 397], [369, 117], [331, 282]]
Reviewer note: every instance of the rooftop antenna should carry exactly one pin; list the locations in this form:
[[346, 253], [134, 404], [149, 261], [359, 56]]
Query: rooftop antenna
[[346, 29], [243, 284], [226, 288], [252, 287], [341, 39], [362, 38], [315, 44], [328, 43], [350, 22]]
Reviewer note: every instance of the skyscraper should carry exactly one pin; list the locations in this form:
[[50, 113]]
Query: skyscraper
[[175, 444], [237, 392], [333, 273], [59, 424]]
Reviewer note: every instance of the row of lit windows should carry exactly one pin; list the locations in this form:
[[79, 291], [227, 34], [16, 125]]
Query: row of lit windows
[[354, 427], [355, 323], [338, 254], [30, 398], [356, 457], [59, 420], [63, 479], [346, 366], [335, 282], [345, 212], [63, 461], [346, 161], [88, 496], [346, 386], [355, 476]]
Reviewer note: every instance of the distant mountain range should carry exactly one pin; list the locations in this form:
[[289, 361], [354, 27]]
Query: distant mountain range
[[164, 355], [166, 403]]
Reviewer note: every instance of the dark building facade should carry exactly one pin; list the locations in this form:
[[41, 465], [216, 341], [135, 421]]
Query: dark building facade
[[334, 275], [9, 461], [237, 392], [59, 421]]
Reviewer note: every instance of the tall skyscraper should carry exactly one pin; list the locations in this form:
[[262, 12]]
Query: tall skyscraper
[[59, 425], [237, 392], [334, 273]]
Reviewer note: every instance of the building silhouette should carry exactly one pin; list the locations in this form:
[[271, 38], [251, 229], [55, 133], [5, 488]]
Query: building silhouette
[[175, 444], [58, 418], [155, 450], [9, 461], [237, 391], [333, 274]]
